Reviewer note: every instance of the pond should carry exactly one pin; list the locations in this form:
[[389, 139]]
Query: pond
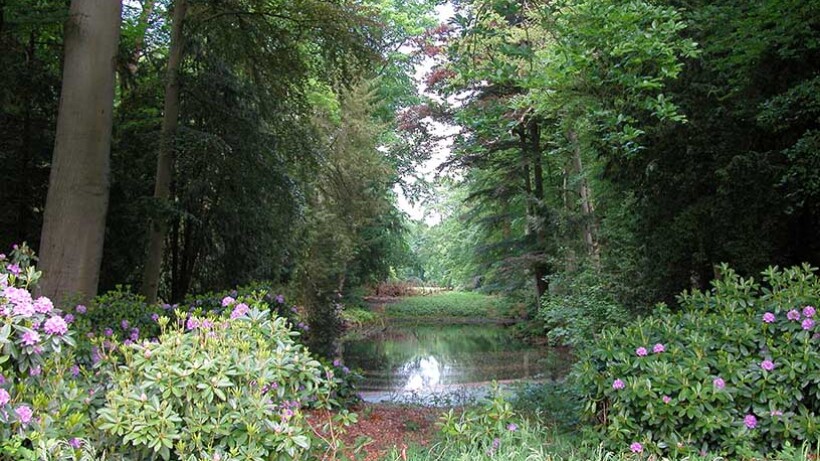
[[446, 363]]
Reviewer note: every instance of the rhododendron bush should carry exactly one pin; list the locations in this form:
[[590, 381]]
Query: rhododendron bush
[[228, 387], [736, 371], [45, 396]]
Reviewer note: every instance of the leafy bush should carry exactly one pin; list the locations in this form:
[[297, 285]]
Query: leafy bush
[[736, 370], [212, 302], [46, 399], [482, 426], [556, 402], [226, 388], [577, 307], [118, 314], [31, 329]]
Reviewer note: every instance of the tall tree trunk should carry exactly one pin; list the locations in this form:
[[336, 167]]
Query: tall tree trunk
[[570, 258], [531, 229], [71, 245], [540, 268], [590, 226], [162, 188]]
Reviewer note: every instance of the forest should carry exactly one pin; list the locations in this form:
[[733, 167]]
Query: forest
[[218, 214]]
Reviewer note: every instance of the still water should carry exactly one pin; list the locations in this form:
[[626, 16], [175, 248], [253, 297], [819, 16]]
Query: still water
[[446, 363]]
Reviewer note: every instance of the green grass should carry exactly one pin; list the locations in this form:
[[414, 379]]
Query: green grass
[[358, 316], [450, 304]]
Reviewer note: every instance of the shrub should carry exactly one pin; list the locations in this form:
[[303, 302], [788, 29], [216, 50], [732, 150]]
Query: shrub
[[737, 369], [32, 329], [212, 302], [577, 307], [118, 314], [230, 388], [482, 426], [45, 397]]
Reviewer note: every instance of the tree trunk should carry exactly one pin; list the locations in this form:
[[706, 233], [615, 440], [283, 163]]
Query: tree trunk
[[162, 188], [71, 245], [590, 226], [531, 231], [540, 269]]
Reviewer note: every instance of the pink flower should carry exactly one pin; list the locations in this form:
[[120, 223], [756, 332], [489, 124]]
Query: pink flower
[[793, 315], [767, 365], [69, 318], [227, 301], [641, 351], [808, 324], [75, 443], [125, 324], [809, 311], [14, 269], [240, 310], [280, 299], [23, 305], [192, 323], [31, 338], [55, 326], [636, 447], [776, 413], [658, 348], [81, 309], [768, 317], [750, 421], [512, 427], [43, 305], [667, 399], [35, 371], [618, 384], [24, 414], [4, 397], [719, 383]]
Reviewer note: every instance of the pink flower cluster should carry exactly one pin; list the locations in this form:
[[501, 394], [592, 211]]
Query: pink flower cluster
[[657, 349]]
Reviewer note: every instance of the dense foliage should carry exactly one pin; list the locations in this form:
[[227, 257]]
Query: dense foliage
[[228, 388], [646, 141], [607, 155], [735, 371]]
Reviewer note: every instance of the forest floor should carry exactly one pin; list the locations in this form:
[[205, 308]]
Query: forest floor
[[385, 429]]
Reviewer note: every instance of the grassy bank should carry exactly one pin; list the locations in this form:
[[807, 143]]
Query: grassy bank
[[451, 305]]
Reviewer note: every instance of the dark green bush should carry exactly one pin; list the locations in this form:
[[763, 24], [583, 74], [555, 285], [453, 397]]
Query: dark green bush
[[578, 306], [735, 371]]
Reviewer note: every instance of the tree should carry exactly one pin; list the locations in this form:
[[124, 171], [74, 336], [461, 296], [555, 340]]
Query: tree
[[170, 120], [74, 222]]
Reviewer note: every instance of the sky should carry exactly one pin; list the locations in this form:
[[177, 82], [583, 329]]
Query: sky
[[443, 147]]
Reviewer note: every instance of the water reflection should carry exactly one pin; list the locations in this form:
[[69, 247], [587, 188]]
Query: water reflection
[[436, 359]]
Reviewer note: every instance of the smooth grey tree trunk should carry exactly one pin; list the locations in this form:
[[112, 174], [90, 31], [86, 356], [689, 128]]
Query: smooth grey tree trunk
[[71, 243], [162, 187]]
